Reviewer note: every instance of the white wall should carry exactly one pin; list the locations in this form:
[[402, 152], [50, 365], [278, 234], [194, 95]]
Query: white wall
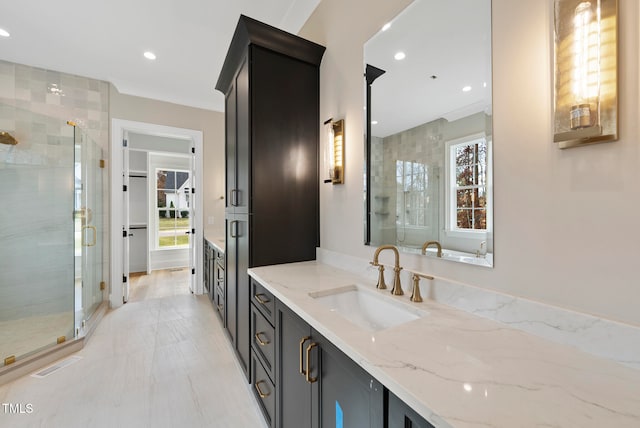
[[211, 123], [565, 220]]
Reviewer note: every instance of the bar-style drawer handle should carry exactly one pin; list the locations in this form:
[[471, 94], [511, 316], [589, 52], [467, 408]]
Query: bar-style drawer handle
[[260, 393], [304, 339], [308, 374], [264, 342], [260, 298]]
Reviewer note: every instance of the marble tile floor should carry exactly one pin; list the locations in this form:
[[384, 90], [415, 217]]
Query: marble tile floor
[[162, 362]]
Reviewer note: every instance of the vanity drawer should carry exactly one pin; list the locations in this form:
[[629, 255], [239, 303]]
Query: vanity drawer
[[263, 300], [264, 389], [263, 340]]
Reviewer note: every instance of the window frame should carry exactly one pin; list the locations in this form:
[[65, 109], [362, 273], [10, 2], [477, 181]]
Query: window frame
[[451, 229], [157, 209]]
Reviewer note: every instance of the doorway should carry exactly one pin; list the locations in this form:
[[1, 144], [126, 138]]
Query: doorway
[[156, 213]]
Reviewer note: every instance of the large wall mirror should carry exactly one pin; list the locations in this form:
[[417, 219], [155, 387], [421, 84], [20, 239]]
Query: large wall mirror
[[429, 132]]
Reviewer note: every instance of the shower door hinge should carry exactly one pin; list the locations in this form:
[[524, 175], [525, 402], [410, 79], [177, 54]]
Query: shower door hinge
[[193, 271], [124, 278], [102, 163], [103, 285], [124, 143]]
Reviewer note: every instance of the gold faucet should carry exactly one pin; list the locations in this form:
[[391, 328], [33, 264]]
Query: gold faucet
[[415, 292], [397, 287], [436, 243]]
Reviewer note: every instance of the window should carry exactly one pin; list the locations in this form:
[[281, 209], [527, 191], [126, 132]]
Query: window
[[412, 182], [172, 202], [468, 207]]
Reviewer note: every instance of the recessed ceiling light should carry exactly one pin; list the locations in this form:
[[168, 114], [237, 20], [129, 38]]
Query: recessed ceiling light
[[386, 26], [374, 122], [400, 56], [466, 89], [149, 55], [4, 33]]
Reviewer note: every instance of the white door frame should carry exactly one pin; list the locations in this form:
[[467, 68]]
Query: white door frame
[[118, 127]]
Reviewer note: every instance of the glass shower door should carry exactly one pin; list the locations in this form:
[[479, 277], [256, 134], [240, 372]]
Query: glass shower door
[[88, 227], [36, 233]]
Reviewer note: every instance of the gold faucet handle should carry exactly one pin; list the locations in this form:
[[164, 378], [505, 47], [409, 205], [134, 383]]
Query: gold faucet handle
[[415, 292]]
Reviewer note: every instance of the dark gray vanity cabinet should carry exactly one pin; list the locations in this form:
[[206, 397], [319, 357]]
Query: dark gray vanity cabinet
[[402, 416], [270, 80], [318, 386]]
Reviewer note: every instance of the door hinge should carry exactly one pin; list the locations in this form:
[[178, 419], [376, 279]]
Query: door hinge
[[124, 187], [102, 163], [193, 271], [124, 278], [124, 143], [124, 233], [193, 231], [103, 285], [193, 190], [193, 150]]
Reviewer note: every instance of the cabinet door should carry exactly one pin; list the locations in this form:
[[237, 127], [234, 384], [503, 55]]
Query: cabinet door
[[293, 403], [403, 416], [231, 278], [243, 157], [347, 395], [230, 149], [243, 286]]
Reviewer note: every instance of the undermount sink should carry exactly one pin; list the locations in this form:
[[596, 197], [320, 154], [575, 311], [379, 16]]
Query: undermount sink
[[367, 308]]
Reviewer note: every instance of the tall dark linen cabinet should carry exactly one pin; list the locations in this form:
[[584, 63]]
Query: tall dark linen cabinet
[[270, 80]]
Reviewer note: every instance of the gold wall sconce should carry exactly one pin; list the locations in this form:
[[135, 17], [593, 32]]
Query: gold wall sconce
[[334, 151], [586, 72], [6, 138]]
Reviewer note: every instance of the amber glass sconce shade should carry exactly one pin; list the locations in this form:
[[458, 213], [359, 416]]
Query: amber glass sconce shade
[[334, 151], [586, 72]]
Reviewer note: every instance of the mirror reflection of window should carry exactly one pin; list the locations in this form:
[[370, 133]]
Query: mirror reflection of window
[[469, 185]]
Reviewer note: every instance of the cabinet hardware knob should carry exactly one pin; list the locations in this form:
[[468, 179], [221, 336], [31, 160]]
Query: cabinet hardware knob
[[260, 341], [304, 339], [260, 393]]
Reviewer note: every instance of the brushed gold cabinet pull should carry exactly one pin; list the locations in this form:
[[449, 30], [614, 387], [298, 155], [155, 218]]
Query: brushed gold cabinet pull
[[304, 339], [260, 299], [260, 393], [260, 341], [308, 374]]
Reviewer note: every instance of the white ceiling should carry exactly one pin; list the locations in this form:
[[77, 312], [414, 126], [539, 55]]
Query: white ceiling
[[106, 39], [449, 39]]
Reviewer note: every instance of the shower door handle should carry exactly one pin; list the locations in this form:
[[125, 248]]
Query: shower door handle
[[84, 236]]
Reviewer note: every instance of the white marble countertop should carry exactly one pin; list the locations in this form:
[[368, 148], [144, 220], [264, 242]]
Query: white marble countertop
[[460, 370], [215, 238]]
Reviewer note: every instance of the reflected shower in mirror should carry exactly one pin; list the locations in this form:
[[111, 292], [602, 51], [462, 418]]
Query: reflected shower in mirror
[[429, 131]]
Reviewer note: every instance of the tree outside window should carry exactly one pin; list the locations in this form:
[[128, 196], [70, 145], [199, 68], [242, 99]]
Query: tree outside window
[[469, 185]]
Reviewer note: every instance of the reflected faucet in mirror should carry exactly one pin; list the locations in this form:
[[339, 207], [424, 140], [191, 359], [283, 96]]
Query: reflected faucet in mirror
[[428, 143], [397, 286], [428, 244]]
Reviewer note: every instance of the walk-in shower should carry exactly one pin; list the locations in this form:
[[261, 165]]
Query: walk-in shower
[[51, 232]]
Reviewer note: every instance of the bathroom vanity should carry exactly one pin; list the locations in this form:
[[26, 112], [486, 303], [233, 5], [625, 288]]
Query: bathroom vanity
[[438, 367]]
